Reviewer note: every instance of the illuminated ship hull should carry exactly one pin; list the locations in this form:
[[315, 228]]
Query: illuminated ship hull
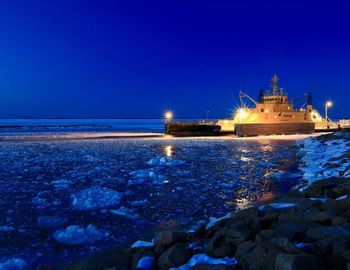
[[246, 130]]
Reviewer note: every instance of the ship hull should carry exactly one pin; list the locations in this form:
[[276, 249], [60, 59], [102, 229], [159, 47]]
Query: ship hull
[[246, 130], [192, 129]]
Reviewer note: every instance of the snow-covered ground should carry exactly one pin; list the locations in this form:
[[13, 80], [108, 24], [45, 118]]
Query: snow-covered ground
[[325, 158], [63, 199]]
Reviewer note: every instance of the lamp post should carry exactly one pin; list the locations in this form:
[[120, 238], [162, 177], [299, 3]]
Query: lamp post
[[327, 105], [168, 116]]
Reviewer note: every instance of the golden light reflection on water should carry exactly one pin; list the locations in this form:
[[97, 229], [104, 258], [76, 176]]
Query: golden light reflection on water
[[168, 151]]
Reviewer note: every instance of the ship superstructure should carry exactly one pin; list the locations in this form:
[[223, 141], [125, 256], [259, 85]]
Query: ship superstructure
[[273, 114]]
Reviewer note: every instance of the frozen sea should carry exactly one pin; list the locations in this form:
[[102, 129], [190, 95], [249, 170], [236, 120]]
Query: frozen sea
[[61, 200]]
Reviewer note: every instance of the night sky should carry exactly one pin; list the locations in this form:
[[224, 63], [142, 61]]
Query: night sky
[[130, 59]]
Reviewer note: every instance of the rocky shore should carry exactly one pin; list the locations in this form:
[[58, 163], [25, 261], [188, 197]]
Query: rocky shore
[[309, 228]]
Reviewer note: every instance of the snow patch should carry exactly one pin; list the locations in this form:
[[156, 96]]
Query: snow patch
[[125, 212], [145, 263], [205, 259], [213, 220], [164, 161], [142, 244], [277, 206]]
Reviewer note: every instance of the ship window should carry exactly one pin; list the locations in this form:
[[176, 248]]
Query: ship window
[[262, 110]]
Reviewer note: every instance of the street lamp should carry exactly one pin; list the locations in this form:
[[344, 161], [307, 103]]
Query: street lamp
[[327, 105]]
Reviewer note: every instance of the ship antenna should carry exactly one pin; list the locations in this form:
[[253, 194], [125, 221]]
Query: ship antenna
[[275, 85]]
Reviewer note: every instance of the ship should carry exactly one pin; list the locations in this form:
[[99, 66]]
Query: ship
[[273, 114]]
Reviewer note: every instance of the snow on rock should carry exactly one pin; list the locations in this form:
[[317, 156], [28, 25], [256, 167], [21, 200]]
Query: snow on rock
[[13, 264], [285, 175], [95, 198], [205, 259], [141, 203], [125, 212], [321, 199], [48, 222], [142, 244], [145, 263], [164, 161], [77, 235], [213, 220], [323, 159], [277, 206]]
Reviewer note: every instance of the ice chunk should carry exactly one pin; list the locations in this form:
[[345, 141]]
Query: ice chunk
[[95, 198], [344, 197], [13, 264], [125, 212], [5, 228], [145, 263], [205, 259], [49, 222], [142, 244], [141, 203], [77, 235], [164, 161], [61, 184]]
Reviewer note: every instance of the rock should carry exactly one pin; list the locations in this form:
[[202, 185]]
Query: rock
[[317, 188], [294, 231], [244, 248], [339, 221], [296, 262], [45, 267], [173, 257], [245, 229], [164, 238], [267, 220], [342, 232], [294, 193], [322, 218], [263, 255], [224, 243], [341, 189]]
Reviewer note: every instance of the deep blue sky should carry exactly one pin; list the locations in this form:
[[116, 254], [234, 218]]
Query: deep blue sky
[[129, 58]]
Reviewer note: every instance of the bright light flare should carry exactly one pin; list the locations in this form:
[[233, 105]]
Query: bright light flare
[[329, 103], [168, 115], [242, 114], [168, 150]]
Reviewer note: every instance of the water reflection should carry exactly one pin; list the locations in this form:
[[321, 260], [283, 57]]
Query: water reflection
[[168, 151]]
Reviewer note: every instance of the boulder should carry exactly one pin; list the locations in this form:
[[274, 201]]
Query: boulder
[[317, 188], [339, 231], [224, 243], [213, 267], [294, 231], [244, 248], [173, 257], [296, 262], [140, 254], [323, 218], [164, 238], [339, 221]]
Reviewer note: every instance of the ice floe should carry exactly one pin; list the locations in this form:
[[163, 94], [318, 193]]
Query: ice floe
[[205, 259], [77, 235], [95, 197], [13, 264], [6, 228]]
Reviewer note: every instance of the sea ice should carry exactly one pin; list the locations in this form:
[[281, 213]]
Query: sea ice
[[77, 235], [49, 222], [95, 198], [141, 203], [125, 212], [164, 161], [13, 264], [61, 184], [205, 259], [145, 263], [5, 228]]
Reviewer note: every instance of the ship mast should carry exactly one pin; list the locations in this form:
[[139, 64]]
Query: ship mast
[[275, 85]]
